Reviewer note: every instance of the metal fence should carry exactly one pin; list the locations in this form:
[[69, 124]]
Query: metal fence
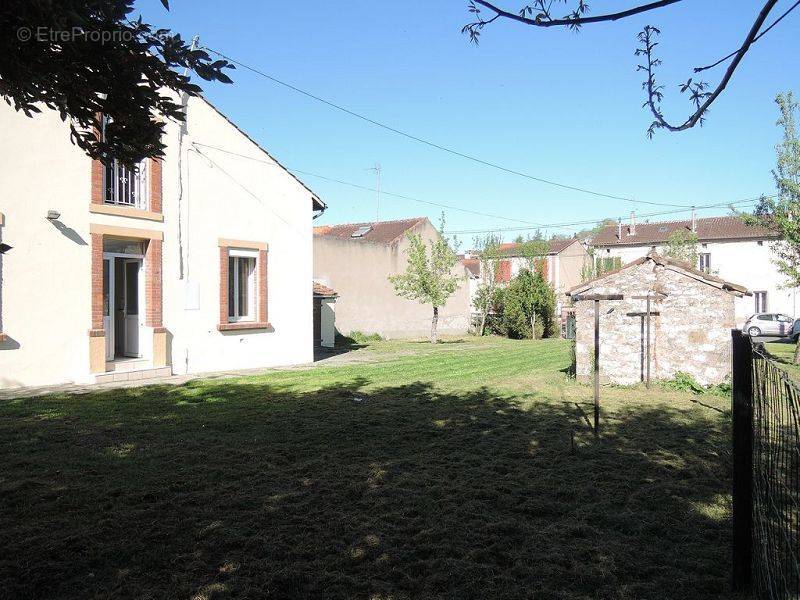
[[767, 469]]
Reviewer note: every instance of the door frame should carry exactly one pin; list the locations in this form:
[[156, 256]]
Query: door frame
[[111, 329]]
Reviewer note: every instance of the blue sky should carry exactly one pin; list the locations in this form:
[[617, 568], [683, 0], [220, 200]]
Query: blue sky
[[552, 103]]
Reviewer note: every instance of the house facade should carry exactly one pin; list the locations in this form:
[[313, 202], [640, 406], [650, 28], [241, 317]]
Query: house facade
[[691, 314], [727, 248], [199, 261], [357, 259], [563, 266]]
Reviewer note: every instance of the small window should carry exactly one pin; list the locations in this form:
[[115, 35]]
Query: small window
[[662, 229], [241, 286], [760, 299], [705, 262], [361, 231]]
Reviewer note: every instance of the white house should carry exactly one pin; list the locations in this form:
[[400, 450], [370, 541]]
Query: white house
[[201, 261], [727, 247]]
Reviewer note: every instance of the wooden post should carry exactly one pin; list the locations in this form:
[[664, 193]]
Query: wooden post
[[596, 367], [647, 343], [742, 410]]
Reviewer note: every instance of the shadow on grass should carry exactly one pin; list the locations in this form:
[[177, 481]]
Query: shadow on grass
[[243, 489]]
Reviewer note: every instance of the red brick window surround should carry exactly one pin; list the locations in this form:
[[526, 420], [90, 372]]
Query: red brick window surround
[[153, 188], [243, 283]]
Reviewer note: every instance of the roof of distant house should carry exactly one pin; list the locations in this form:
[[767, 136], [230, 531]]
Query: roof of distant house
[[472, 265], [323, 291], [665, 261], [555, 246], [380, 232], [708, 229]]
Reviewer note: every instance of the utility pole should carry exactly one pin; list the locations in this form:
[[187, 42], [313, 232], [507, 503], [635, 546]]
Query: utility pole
[[377, 169], [195, 41]]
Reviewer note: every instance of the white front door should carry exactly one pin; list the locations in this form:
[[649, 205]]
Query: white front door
[[132, 302]]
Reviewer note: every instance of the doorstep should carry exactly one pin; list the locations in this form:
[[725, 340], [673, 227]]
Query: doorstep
[[132, 374]]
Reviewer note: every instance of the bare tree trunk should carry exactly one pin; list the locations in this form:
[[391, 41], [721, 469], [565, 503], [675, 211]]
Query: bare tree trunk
[[533, 325], [483, 322], [797, 352], [434, 323]]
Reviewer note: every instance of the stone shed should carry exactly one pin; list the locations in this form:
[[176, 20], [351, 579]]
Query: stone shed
[[692, 314]]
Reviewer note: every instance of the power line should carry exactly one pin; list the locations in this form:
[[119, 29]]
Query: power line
[[371, 189], [595, 221], [430, 143]]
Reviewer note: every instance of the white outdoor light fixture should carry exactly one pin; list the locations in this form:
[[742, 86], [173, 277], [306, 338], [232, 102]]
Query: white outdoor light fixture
[[53, 215]]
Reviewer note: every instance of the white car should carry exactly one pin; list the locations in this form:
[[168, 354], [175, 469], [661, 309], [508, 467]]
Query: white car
[[772, 324]]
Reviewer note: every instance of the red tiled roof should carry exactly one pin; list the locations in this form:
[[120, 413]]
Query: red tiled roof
[[556, 246], [711, 228], [324, 291], [382, 232], [472, 265]]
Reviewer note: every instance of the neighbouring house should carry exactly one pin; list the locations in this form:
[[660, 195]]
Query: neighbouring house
[[324, 316], [727, 247], [356, 259], [563, 266], [691, 317], [196, 262], [472, 267]]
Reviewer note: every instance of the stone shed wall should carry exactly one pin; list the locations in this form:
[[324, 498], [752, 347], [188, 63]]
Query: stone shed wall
[[692, 333]]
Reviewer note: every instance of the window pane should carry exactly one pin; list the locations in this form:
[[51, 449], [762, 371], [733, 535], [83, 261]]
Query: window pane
[[106, 275], [132, 288], [231, 293], [245, 268], [123, 246]]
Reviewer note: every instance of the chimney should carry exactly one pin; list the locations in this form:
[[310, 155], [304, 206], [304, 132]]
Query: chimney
[[619, 229], [694, 221], [633, 223]]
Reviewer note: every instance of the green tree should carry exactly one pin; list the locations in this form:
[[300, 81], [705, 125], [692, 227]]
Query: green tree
[[529, 305], [428, 279], [780, 214], [489, 255], [86, 57], [682, 246]]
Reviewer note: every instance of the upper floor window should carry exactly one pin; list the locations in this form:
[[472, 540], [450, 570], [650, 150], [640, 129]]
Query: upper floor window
[[760, 301], [705, 262], [125, 185]]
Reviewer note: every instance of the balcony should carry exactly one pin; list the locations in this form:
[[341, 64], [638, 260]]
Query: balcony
[[126, 186]]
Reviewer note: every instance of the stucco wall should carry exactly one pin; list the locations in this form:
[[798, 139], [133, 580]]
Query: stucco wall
[[692, 333], [359, 272], [47, 275], [328, 322], [748, 263]]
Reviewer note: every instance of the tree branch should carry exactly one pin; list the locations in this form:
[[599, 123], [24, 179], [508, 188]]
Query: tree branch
[[702, 99], [573, 21]]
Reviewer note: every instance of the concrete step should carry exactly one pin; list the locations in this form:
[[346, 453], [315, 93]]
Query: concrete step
[[127, 364], [133, 375]]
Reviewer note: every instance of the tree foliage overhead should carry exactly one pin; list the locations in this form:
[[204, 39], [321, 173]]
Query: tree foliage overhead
[[542, 14], [85, 57]]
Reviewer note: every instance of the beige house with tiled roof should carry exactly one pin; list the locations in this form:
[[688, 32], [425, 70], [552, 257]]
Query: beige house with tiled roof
[[727, 248], [356, 259]]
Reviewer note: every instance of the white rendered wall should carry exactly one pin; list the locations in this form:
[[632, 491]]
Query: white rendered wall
[[328, 322]]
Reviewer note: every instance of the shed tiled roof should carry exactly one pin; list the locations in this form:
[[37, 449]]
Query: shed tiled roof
[[382, 232], [708, 229], [323, 291], [664, 261]]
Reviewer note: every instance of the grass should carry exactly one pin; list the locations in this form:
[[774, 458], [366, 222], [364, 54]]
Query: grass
[[464, 470], [783, 353]]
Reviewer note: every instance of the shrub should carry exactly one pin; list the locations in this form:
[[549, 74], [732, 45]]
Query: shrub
[[528, 294]]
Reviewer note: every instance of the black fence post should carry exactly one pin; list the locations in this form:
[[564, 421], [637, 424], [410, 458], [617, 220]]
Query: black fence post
[[742, 410]]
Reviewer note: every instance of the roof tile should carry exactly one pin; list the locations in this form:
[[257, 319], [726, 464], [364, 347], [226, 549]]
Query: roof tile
[[382, 232], [711, 228]]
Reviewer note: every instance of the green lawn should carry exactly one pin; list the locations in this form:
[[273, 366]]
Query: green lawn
[[783, 353], [421, 472]]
